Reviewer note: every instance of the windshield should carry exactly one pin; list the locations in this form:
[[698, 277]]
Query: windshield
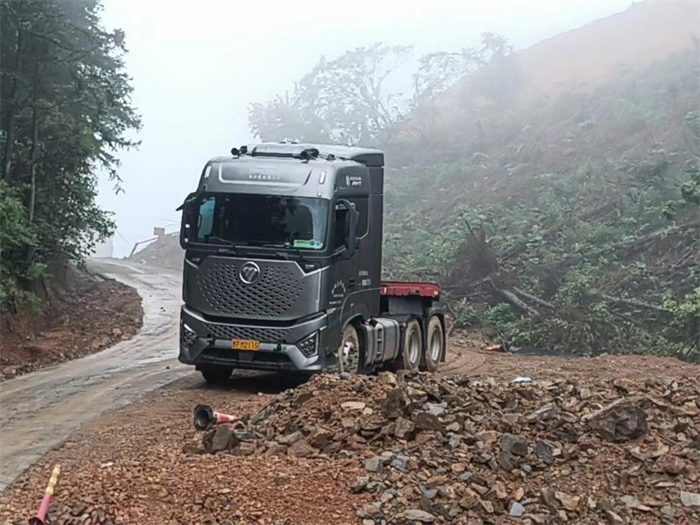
[[263, 220]]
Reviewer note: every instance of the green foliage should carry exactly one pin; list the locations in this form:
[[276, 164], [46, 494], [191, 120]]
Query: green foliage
[[15, 236], [65, 106]]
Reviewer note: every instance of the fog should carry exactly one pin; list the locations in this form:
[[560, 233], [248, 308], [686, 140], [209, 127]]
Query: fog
[[196, 66]]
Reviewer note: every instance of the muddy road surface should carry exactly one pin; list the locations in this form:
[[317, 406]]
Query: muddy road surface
[[41, 409]]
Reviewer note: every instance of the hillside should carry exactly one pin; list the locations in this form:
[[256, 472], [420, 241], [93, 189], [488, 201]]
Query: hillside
[[568, 225]]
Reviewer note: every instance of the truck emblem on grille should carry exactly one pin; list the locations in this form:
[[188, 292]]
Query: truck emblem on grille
[[250, 272]]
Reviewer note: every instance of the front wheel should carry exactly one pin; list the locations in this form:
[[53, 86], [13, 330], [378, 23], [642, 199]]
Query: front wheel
[[349, 353], [435, 345], [216, 375]]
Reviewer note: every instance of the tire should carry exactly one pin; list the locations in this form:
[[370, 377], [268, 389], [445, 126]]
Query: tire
[[216, 375], [350, 353], [435, 345], [412, 353]]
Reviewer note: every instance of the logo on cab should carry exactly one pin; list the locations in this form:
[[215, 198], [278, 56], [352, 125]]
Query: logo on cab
[[250, 273]]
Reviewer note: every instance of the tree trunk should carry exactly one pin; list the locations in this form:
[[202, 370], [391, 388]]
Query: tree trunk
[[11, 111], [33, 162]]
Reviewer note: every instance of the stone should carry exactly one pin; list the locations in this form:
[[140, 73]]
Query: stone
[[506, 460], [568, 502], [290, 438], [360, 484], [545, 452], [404, 428], [395, 403], [282, 478], [514, 444], [353, 405], [549, 499], [614, 518], [690, 499], [671, 465], [437, 409], [427, 421], [427, 492], [374, 464], [516, 510], [388, 378], [302, 398], [418, 515], [400, 463], [301, 449], [219, 439], [619, 421], [453, 427], [469, 500]]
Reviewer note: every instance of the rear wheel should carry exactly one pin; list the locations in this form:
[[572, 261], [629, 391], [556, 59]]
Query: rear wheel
[[412, 347], [216, 375], [350, 353], [435, 345]]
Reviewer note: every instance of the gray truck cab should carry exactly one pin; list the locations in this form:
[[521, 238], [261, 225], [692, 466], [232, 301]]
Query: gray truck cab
[[283, 247]]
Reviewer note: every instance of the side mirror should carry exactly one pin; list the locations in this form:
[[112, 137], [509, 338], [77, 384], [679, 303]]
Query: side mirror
[[353, 217], [188, 221]]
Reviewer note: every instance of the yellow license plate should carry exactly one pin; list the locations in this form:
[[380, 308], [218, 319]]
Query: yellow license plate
[[245, 344]]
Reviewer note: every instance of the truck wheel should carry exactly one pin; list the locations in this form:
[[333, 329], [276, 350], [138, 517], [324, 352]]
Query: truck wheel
[[216, 375], [349, 353], [435, 345], [412, 347]]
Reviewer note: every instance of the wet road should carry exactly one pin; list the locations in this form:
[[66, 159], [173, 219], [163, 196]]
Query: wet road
[[38, 411]]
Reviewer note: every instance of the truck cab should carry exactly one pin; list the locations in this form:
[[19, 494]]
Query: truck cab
[[283, 251]]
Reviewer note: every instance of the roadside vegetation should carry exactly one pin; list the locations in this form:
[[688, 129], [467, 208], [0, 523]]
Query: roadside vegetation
[[567, 224], [65, 111]]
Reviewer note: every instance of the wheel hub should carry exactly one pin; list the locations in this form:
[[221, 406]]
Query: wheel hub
[[349, 358]]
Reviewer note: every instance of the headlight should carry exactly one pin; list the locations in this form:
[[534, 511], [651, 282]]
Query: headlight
[[309, 346]]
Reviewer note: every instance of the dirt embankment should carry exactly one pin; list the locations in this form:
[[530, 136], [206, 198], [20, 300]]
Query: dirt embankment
[[82, 314]]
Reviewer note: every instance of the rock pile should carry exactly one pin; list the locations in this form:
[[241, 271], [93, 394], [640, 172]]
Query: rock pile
[[469, 451]]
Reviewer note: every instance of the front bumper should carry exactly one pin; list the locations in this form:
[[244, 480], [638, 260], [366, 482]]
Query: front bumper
[[204, 342]]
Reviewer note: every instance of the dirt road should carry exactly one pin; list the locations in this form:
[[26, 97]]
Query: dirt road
[[40, 410]]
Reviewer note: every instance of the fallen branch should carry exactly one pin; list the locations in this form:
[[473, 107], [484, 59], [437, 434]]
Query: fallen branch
[[512, 299], [533, 298], [637, 304]]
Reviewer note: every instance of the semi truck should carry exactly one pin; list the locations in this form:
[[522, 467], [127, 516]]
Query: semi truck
[[282, 269]]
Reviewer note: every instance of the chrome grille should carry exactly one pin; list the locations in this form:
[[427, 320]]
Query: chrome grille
[[264, 335], [273, 294]]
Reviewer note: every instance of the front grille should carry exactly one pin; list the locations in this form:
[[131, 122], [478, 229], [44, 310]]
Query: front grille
[[264, 335], [273, 294]]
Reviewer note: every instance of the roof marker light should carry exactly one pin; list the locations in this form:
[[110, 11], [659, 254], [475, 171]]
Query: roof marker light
[[322, 177], [207, 171]]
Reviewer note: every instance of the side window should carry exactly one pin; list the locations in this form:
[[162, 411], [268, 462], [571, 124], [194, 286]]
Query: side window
[[362, 207], [205, 222], [341, 230]]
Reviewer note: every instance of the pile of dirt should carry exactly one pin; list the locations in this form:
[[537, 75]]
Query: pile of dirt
[[83, 316], [474, 451], [164, 252]]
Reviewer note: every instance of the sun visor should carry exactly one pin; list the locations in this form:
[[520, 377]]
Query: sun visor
[[262, 174]]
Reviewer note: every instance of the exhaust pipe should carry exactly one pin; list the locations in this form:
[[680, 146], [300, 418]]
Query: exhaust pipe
[[40, 518], [205, 417]]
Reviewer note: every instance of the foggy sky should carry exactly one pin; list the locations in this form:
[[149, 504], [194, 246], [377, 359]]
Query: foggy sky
[[196, 65]]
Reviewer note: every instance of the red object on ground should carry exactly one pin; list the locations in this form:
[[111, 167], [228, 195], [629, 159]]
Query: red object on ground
[[206, 417], [403, 288], [40, 518]]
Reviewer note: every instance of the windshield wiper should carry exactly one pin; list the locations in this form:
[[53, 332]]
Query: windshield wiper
[[296, 249], [222, 241]]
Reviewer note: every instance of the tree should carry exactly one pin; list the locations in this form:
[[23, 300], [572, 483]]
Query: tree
[[347, 100], [65, 106]]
